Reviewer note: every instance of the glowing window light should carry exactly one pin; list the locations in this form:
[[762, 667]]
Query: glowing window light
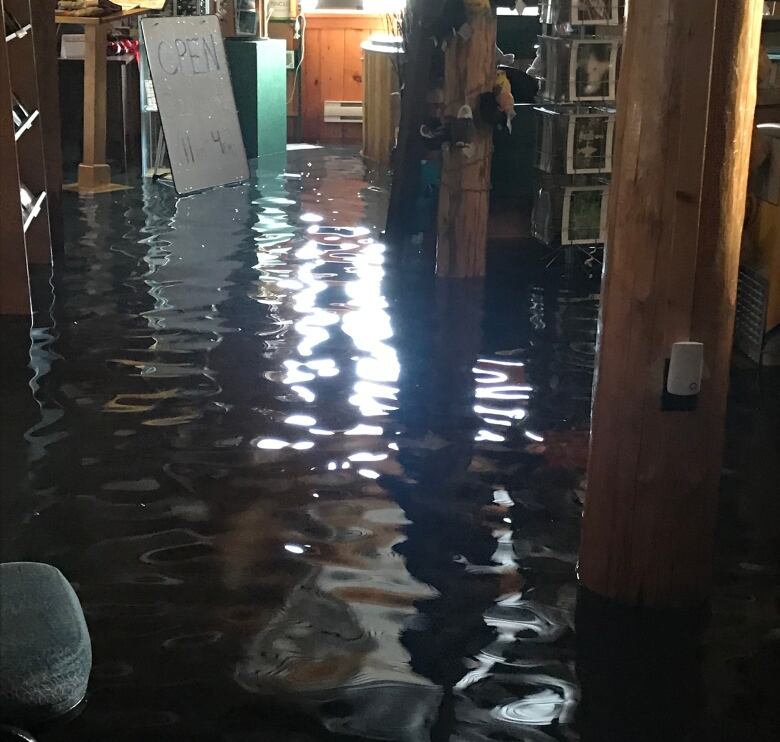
[[496, 421]]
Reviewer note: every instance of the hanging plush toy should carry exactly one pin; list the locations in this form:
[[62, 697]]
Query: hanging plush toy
[[504, 98], [518, 5], [475, 7], [462, 130]]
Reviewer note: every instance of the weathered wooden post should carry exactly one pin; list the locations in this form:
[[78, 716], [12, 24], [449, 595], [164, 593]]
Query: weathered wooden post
[[470, 70], [421, 17], [685, 112]]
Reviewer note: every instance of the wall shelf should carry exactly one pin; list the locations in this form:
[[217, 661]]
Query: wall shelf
[[20, 34], [26, 232], [26, 125], [34, 211]]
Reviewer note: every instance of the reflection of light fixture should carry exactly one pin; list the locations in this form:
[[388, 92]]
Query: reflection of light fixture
[[496, 421], [366, 456], [486, 435], [294, 548], [516, 414], [271, 444], [305, 421], [384, 6], [517, 364], [503, 392], [365, 430], [305, 394]]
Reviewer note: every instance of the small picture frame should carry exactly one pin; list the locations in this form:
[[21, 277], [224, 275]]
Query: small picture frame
[[589, 143], [593, 70], [584, 215], [595, 13]]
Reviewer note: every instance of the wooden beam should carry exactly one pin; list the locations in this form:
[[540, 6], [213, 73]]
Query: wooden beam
[[409, 150], [464, 194], [94, 173], [685, 111]]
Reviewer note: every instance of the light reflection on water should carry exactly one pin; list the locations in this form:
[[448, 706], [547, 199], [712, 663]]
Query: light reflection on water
[[340, 485]]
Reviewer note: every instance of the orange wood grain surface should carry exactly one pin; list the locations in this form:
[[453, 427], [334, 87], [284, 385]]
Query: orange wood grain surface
[[333, 70]]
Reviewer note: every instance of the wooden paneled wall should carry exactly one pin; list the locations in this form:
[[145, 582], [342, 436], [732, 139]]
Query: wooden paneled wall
[[333, 70]]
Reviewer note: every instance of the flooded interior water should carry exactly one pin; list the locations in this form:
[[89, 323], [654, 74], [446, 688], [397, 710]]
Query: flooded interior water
[[305, 493]]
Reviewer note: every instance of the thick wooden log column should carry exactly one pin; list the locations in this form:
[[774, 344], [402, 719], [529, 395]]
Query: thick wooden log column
[[685, 113], [421, 15], [470, 70]]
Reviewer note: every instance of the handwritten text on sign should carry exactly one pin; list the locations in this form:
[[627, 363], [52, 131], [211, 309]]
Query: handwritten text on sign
[[192, 82]]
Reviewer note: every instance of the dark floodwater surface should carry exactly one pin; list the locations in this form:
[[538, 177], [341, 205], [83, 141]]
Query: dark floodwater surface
[[304, 494]]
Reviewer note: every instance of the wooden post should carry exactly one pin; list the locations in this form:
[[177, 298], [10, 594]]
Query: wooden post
[[685, 111], [94, 173], [464, 196], [409, 150]]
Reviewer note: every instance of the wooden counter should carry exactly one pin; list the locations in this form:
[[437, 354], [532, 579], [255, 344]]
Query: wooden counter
[[94, 172]]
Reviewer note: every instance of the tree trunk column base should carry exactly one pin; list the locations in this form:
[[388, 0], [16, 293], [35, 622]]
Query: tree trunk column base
[[639, 669]]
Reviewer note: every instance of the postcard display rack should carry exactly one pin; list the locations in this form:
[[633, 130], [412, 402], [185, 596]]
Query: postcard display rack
[[577, 67]]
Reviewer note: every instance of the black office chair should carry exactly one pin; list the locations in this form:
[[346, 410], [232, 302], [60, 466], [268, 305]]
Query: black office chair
[[45, 650]]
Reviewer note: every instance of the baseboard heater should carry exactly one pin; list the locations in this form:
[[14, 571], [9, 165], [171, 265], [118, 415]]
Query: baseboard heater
[[343, 112]]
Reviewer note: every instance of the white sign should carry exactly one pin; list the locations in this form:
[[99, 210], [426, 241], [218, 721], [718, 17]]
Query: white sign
[[195, 99]]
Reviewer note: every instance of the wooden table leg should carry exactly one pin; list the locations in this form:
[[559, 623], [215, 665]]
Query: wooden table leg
[[94, 173]]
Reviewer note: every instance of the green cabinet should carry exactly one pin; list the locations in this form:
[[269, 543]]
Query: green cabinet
[[258, 69]]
